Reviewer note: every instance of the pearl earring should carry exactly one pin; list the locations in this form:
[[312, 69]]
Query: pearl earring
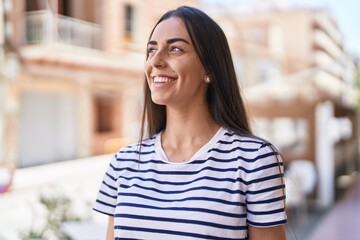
[[207, 79]]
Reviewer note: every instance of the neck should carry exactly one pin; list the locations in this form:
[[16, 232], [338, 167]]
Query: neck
[[187, 127]]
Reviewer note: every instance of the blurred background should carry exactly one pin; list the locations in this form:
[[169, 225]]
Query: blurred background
[[71, 78]]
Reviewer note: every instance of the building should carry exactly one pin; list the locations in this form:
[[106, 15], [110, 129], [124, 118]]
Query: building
[[77, 88], [299, 83]]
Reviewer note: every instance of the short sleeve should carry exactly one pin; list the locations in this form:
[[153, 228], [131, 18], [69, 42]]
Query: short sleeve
[[107, 195], [265, 195]]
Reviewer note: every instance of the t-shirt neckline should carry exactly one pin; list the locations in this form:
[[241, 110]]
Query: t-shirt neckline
[[160, 151]]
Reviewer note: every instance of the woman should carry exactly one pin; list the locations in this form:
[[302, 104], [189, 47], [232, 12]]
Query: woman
[[200, 174]]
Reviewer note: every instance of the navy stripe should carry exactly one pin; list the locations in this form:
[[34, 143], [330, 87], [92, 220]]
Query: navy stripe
[[267, 212], [202, 178], [191, 189], [136, 146], [280, 175], [267, 201], [229, 160], [229, 134], [249, 137], [204, 188], [208, 199], [233, 150], [111, 177], [268, 224], [266, 189], [181, 183], [106, 194], [277, 164], [175, 172], [136, 160], [240, 141], [145, 145], [220, 160], [104, 203], [177, 220], [109, 214], [175, 233], [205, 160], [136, 151], [213, 169], [203, 210], [249, 160], [261, 157], [120, 238], [109, 186]]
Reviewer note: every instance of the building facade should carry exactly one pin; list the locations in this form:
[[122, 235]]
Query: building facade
[[298, 81], [76, 87]]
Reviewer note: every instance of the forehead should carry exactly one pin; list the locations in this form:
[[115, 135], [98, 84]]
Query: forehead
[[170, 28]]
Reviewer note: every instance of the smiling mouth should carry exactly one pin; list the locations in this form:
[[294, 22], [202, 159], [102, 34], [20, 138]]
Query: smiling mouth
[[163, 79]]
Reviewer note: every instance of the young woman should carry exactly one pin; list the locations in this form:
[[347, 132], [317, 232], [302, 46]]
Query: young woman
[[200, 173]]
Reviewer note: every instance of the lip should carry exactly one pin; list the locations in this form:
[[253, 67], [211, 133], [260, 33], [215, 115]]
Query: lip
[[162, 75], [162, 80]]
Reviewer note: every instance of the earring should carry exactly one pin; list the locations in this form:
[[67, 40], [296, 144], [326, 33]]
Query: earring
[[207, 79]]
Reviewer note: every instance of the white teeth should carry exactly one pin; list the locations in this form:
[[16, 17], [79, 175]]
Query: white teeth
[[163, 79]]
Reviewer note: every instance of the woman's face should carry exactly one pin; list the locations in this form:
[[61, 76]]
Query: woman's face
[[173, 70]]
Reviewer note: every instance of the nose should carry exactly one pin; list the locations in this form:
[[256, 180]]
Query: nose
[[158, 60]]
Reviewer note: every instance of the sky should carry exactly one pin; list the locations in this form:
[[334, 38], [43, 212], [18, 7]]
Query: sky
[[346, 13]]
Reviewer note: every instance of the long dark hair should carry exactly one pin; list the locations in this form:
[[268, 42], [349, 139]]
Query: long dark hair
[[223, 94]]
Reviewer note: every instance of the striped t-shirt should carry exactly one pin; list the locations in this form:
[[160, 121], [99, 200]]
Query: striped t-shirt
[[230, 183]]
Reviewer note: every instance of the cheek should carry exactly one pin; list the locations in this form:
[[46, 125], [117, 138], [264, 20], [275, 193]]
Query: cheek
[[195, 70], [147, 70]]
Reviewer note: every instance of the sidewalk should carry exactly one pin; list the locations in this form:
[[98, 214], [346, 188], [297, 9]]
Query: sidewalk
[[340, 222], [343, 221], [77, 181]]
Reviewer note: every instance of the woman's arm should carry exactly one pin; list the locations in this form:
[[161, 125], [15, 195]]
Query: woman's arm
[[110, 229], [267, 233]]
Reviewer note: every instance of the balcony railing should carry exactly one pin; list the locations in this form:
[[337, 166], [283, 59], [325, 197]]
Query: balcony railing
[[323, 40], [43, 27]]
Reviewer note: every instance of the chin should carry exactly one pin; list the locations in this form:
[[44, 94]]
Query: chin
[[158, 101]]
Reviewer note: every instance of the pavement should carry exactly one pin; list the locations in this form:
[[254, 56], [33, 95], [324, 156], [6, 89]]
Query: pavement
[[69, 189], [339, 222]]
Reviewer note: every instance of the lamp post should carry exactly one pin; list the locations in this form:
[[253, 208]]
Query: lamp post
[[9, 66], [5, 171], [2, 79]]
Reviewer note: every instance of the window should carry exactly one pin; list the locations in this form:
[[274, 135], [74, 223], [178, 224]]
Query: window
[[104, 113], [32, 5], [65, 8], [256, 35], [267, 70], [129, 23]]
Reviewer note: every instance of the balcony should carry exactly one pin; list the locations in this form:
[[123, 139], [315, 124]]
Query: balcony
[[327, 63], [45, 27], [324, 22], [322, 40]]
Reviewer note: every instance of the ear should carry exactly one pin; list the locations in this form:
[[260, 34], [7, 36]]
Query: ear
[[207, 79]]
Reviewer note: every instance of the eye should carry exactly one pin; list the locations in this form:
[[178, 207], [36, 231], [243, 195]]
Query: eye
[[151, 50], [175, 49]]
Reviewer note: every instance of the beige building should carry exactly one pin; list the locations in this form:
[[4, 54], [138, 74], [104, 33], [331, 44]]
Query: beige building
[[299, 83], [289, 54], [75, 87]]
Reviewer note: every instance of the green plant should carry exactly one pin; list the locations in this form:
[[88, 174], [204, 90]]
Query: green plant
[[58, 206]]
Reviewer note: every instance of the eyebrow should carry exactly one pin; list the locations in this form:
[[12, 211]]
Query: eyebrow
[[171, 40]]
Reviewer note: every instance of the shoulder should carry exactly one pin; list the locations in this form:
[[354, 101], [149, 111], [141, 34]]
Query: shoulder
[[145, 146], [247, 141], [252, 147], [128, 156]]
